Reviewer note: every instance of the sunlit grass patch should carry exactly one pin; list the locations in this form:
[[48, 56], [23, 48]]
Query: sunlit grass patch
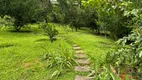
[[21, 54]]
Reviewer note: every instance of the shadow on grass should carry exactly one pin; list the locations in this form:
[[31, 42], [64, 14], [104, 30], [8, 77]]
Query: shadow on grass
[[42, 40], [6, 45], [104, 43], [21, 31], [93, 32]]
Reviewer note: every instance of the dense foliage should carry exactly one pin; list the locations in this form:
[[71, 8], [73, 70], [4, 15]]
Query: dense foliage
[[23, 12], [108, 16], [127, 58]]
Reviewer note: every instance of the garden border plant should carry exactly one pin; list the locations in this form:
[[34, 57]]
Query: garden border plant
[[127, 58], [61, 58]]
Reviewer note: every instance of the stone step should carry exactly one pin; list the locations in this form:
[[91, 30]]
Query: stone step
[[79, 51], [77, 48], [75, 45], [83, 78], [82, 68], [83, 61], [81, 56]]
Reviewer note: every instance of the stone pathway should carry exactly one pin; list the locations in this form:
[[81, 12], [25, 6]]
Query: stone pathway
[[79, 51], [81, 56], [83, 78], [83, 62], [82, 68]]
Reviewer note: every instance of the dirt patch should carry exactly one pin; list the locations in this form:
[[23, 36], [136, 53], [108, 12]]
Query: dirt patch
[[35, 63], [28, 65]]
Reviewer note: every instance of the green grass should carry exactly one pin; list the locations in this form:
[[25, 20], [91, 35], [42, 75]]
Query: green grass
[[21, 53], [94, 45]]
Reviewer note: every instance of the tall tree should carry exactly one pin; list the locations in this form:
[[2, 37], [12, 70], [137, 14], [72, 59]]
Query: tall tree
[[23, 12]]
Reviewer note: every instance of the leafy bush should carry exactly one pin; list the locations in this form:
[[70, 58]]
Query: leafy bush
[[62, 59], [128, 58], [50, 31], [107, 74], [6, 21]]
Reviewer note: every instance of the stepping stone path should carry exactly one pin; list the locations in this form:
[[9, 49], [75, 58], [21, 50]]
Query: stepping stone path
[[82, 68], [79, 51], [83, 78], [77, 48], [81, 56], [83, 62]]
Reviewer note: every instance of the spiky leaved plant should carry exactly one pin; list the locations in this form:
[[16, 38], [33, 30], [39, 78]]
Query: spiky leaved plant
[[62, 59]]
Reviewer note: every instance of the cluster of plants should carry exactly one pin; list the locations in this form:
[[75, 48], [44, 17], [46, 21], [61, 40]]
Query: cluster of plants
[[114, 16], [104, 70], [128, 57], [106, 16], [6, 21], [101, 15], [61, 58], [50, 31]]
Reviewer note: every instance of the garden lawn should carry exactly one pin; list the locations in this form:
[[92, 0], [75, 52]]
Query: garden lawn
[[94, 45], [21, 53]]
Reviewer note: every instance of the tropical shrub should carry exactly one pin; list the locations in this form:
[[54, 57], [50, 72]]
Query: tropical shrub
[[128, 58], [61, 58], [107, 74], [50, 31], [6, 21]]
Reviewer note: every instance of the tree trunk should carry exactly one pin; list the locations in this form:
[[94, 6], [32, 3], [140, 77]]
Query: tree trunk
[[46, 20], [76, 29]]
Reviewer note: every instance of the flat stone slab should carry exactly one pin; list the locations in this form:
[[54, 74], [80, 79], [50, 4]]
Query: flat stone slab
[[83, 61], [79, 51], [82, 68], [77, 48], [75, 45], [81, 56], [82, 78]]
